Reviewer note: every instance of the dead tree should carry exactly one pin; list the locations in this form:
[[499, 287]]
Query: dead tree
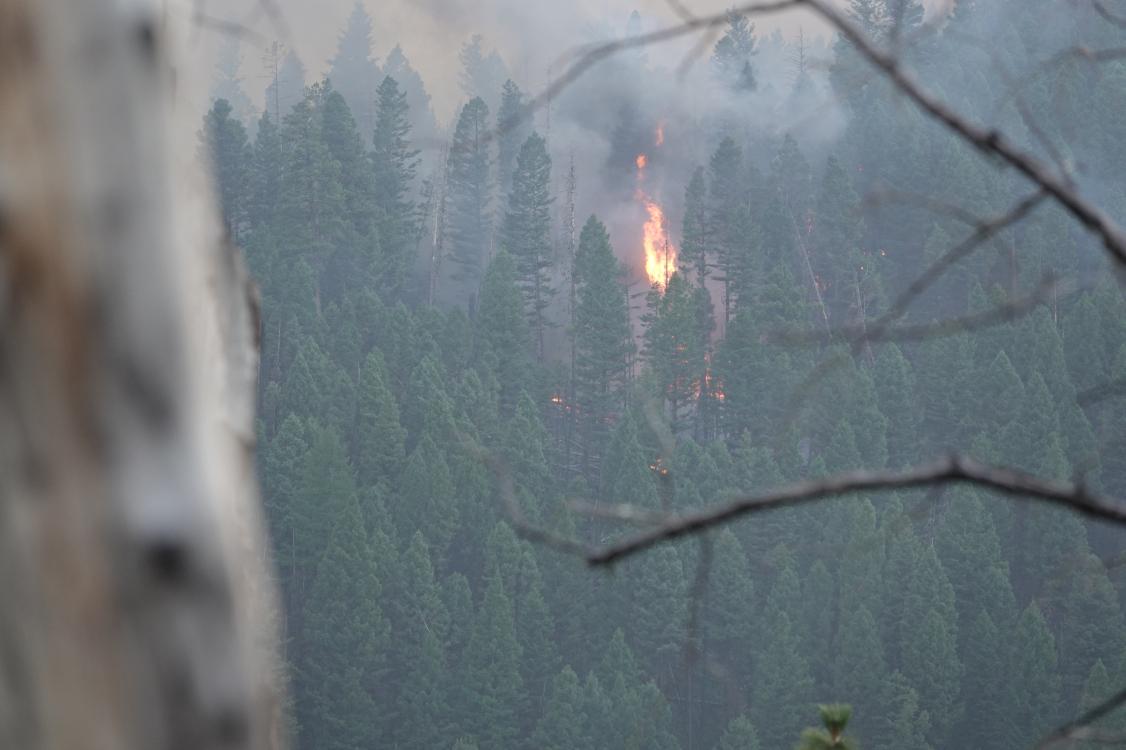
[[138, 609]]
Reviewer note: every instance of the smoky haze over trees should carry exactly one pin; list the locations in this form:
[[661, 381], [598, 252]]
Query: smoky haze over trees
[[473, 383]]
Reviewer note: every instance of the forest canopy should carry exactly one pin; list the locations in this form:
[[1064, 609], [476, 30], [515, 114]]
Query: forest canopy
[[588, 316]]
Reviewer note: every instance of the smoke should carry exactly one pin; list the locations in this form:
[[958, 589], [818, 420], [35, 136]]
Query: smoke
[[610, 115]]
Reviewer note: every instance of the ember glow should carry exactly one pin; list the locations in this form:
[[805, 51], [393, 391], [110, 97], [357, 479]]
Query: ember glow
[[660, 253]]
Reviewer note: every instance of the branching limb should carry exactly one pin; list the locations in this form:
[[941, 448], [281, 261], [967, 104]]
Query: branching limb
[[1080, 729], [878, 329], [953, 470]]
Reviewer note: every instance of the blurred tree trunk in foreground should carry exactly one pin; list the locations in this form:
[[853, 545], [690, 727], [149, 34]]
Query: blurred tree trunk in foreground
[[137, 609]]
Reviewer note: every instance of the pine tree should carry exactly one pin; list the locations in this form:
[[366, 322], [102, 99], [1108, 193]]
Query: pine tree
[[467, 177], [836, 249], [603, 341], [907, 723], [835, 719], [859, 669], [731, 58], [427, 499], [354, 71], [502, 327], [990, 700], [394, 165], [423, 125], [1034, 676], [739, 735], [781, 692], [419, 660], [526, 233], [626, 473], [229, 154], [676, 342], [481, 75], [325, 487], [493, 694], [512, 132], [695, 239], [563, 725], [312, 202], [379, 436], [346, 638]]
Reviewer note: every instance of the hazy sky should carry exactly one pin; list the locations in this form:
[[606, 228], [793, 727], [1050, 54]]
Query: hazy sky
[[530, 34]]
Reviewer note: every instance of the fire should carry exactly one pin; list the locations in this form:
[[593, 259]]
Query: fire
[[660, 254]]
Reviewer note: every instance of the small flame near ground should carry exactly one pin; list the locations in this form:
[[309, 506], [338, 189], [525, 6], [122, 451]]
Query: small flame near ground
[[660, 253]]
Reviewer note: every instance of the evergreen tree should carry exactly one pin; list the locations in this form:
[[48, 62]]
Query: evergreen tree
[[512, 132], [493, 694], [380, 437], [467, 177], [731, 58], [739, 735], [353, 70], [421, 629], [526, 233], [229, 154], [603, 340], [1035, 676], [395, 165], [346, 639], [563, 724], [423, 125], [503, 330]]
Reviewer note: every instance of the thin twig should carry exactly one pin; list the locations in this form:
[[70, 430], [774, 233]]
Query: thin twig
[[953, 470], [1077, 728], [1048, 289]]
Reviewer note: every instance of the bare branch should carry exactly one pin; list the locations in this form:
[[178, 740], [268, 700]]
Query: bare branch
[[1109, 16], [878, 329], [953, 470], [988, 141], [1113, 389], [1048, 289], [1080, 728]]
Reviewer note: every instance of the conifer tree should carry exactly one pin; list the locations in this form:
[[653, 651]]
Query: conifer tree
[[379, 437], [421, 627], [394, 164], [346, 639], [695, 239], [353, 69], [493, 693], [526, 233], [836, 248], [229, 153], [563, 724], [603, 340], [739, 735], [505, 340], [731, 58], [467, 177], [835, 719], [512, 132], [427, 496], [782, 691], [1035, 676], [423, 125]]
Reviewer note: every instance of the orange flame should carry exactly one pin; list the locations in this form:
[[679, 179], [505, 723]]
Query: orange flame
[[660, 254]]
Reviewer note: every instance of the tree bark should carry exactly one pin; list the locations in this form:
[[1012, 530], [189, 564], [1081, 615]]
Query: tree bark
[[138, 609]]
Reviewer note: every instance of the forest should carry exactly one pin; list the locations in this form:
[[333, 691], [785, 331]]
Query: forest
[[483, 342]]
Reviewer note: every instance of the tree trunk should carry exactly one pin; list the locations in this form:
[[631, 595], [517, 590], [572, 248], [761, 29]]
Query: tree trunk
[[138, 609]]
